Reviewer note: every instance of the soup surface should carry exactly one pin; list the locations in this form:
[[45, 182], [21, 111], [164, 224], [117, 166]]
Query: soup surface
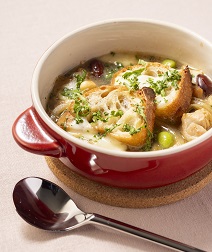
[[132, 102]]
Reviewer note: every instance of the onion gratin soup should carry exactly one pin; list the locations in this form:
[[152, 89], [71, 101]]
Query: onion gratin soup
[[132, 102]]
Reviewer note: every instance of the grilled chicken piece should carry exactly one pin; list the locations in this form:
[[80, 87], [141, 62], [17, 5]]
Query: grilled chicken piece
[[125, 115], [173, 88], [196, 123]]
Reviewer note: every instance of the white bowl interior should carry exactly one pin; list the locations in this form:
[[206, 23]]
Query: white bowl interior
[[133, 35]]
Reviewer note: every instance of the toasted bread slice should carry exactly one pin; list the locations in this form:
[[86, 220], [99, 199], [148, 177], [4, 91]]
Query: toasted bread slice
[[144, 123], [128, 116], [173, 87]]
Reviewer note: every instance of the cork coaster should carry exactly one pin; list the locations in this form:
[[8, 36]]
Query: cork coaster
[[130, 198]]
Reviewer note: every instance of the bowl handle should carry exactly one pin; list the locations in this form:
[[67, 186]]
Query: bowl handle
[[31, 135]]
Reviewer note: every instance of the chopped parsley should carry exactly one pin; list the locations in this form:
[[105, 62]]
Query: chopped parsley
[[80, 77], [117, 113], [132, 78], [159, 86], [99, 116], [148, 144], [81, 106], [130, 129], [136, 72], [169, 78], [140, 110], [81, 109], [68, 92], [107, 130], [142, 62]]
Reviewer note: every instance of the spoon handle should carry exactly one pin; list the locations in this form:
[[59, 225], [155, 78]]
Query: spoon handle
[[126, 228]]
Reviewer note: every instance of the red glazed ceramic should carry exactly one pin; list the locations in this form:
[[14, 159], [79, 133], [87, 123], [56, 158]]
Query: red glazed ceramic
[[35, 132]]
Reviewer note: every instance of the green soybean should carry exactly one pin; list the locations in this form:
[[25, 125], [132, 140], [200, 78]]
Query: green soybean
[[169, 62], [166, 139]]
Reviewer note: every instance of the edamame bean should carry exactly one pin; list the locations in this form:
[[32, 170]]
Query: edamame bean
[[165, 139], [169, 62]]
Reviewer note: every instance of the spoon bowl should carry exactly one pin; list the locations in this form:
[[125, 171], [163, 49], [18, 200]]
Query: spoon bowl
[[45, 205]]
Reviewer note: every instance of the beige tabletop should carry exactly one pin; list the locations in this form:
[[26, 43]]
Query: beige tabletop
[[28, 28]]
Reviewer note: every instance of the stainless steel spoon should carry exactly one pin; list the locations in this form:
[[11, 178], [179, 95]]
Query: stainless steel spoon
[[45, 205]]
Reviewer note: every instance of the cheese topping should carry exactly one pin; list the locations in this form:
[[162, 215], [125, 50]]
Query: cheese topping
[[163, 80]]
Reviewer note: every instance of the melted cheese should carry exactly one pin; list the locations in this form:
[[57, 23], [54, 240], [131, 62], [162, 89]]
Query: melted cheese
[[106, 142], [142, 81]]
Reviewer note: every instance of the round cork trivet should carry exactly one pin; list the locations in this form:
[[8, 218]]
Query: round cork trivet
[[130, 198]]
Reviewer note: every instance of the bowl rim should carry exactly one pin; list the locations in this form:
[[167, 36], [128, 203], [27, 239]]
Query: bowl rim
[[98, 149]]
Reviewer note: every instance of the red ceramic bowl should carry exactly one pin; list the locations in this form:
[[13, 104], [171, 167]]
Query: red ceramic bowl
[[35, 132]]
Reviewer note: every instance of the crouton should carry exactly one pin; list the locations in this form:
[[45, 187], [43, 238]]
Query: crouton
[[173, 88], [126, 115]]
